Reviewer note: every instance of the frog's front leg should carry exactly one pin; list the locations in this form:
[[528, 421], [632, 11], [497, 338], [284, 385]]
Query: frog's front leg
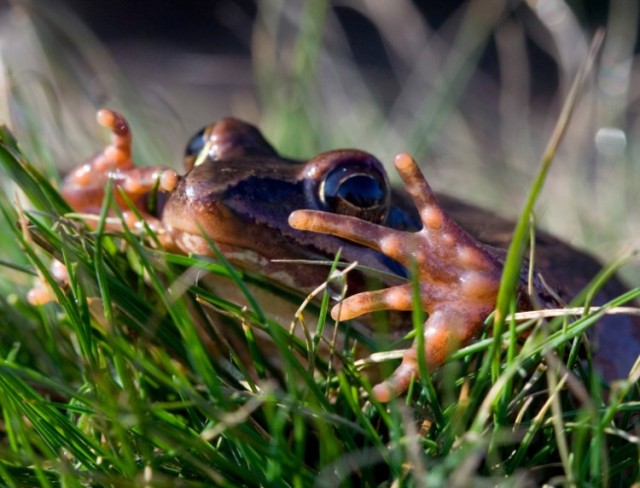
[[84, 187], [84, 190], [459, 276]]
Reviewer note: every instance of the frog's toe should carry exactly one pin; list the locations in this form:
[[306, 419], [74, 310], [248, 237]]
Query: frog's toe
[[140, 181], [399, 381], [394, 298], [352, 228], [41, 293], [118, 153]]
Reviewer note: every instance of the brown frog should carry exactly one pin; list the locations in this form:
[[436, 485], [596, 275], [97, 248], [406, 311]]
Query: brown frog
[[258, 206]]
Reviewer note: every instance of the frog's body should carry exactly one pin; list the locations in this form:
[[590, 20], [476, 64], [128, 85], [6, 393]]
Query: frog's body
[[258, 207]]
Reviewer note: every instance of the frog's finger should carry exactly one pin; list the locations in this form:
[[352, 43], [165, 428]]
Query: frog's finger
[[399, 381], [117, 123], [388, 241], [398, 297], [118, 153], [139, 181], [419, 190], [394, 298]]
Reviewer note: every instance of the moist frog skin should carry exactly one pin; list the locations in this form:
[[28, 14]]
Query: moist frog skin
[[260, 207]]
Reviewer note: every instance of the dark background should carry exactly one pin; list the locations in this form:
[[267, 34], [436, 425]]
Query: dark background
[[225, 26]]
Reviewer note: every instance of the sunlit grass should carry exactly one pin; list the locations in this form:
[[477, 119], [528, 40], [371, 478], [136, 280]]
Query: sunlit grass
[[141, 375]]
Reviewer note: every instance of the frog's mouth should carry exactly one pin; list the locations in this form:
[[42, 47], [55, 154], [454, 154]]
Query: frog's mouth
[[283, 267], [266, 244], [252, 246]]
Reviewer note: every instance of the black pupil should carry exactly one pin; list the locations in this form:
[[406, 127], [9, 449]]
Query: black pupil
[[361, 190], [357, 192]]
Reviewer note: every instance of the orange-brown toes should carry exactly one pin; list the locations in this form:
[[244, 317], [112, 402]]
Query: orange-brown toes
[[81, 176], [106, 117], [414, 182], [39, 295], [114, 121], [59, 271], [356, 230], [301, 220], [394, 298], [131, 219], [383, 392], [396, 244], [133, 186], [400, 379], [118, 153], [168, 180]]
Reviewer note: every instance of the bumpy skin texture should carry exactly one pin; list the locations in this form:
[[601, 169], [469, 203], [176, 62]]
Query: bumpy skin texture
[[240, 192]]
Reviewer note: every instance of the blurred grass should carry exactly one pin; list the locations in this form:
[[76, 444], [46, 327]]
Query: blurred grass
[[117, 385]]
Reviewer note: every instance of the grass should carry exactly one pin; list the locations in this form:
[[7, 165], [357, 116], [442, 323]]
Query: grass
[[141, 376]]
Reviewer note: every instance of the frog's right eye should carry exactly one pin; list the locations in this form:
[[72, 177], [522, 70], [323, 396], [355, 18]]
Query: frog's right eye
[[350, 189], [348, 182], [195, 146]]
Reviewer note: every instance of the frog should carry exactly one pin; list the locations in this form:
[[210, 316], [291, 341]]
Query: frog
[[272, 215]]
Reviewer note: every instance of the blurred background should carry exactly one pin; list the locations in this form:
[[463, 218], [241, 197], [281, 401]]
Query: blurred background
[[471, 88]]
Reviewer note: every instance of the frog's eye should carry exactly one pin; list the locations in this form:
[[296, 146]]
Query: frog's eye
[[356, 188], [194, 147], [226, 139]]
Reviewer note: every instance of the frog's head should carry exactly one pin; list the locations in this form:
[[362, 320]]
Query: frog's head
[[240, 192]]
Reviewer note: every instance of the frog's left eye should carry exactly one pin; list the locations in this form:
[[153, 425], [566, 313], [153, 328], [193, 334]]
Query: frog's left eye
[[356, 188], [194, 147]]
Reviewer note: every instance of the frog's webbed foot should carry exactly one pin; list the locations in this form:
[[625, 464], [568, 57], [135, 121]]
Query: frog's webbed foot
[[459, 277]]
